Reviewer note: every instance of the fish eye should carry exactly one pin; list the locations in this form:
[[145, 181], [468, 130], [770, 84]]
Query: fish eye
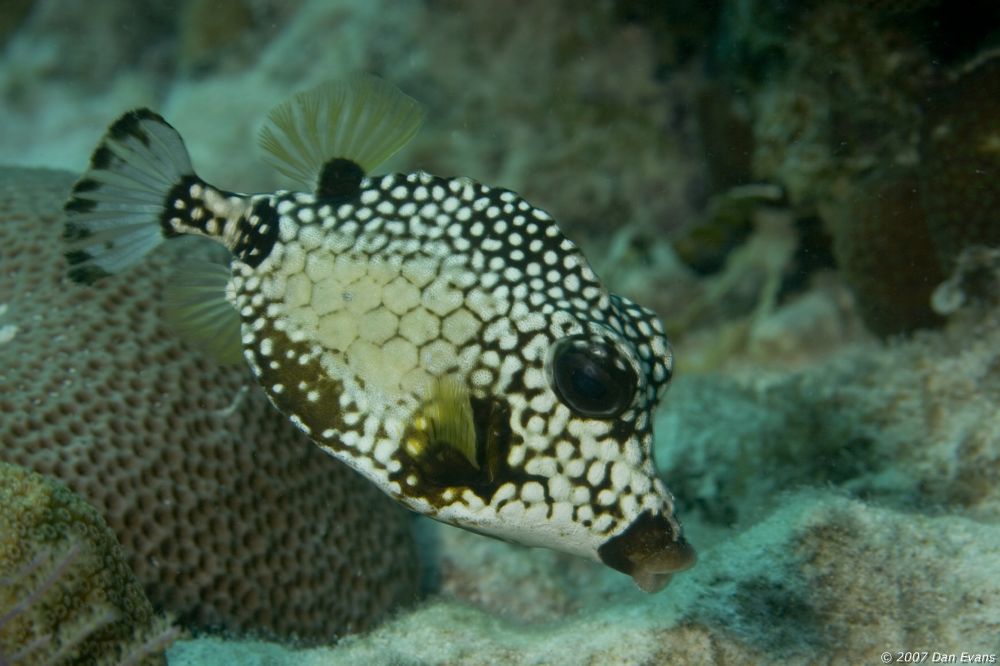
[[591, 377]]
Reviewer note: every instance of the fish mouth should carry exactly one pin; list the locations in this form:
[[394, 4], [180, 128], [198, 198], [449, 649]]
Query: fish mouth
[[655, 572], [650, 550]]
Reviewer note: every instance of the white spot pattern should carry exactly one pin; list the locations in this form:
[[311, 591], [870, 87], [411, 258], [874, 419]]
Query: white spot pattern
[[423, 277]]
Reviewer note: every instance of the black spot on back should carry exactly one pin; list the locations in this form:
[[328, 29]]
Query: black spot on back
[[339, 181]]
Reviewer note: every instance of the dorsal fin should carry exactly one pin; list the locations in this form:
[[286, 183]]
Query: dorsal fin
[[363, 120]]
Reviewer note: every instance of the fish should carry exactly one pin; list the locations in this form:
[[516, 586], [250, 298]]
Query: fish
[[441, 337]]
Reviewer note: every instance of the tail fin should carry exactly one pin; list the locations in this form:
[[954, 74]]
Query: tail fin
[[115, 211]]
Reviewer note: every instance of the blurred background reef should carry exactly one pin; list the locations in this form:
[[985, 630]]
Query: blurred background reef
[[808, 193]]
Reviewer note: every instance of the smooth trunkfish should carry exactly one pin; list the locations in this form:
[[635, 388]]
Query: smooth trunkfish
[[441, 337]]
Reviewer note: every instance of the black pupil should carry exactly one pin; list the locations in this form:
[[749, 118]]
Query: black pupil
[[590, 380]]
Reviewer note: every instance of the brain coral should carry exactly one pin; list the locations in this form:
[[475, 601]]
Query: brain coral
[[229, 517], [86, 607]]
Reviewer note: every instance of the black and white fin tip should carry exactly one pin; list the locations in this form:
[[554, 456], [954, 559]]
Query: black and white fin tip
[[115, 211]]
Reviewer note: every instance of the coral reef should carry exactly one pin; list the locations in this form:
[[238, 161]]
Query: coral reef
[[913, 425], [840, 511], [824, 579], [889, 144], [221, 35], [974, 286], [599, 142], [66, 592], [905, 227], [823, 166], [230, 518], [596, 140], [775, 303]]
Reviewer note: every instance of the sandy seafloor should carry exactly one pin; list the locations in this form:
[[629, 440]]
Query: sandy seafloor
[[772, 181]]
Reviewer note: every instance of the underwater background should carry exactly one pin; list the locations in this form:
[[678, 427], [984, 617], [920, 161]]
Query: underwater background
[[807, 193]]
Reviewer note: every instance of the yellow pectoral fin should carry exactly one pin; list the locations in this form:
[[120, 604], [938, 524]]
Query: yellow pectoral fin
[[449, 418], [441, 439]]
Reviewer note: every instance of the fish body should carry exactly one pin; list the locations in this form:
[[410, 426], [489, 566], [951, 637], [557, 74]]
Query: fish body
[[441, 337]]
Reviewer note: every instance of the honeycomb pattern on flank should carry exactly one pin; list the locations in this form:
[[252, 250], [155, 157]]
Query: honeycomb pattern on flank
[[364, 304], [230, 518]]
